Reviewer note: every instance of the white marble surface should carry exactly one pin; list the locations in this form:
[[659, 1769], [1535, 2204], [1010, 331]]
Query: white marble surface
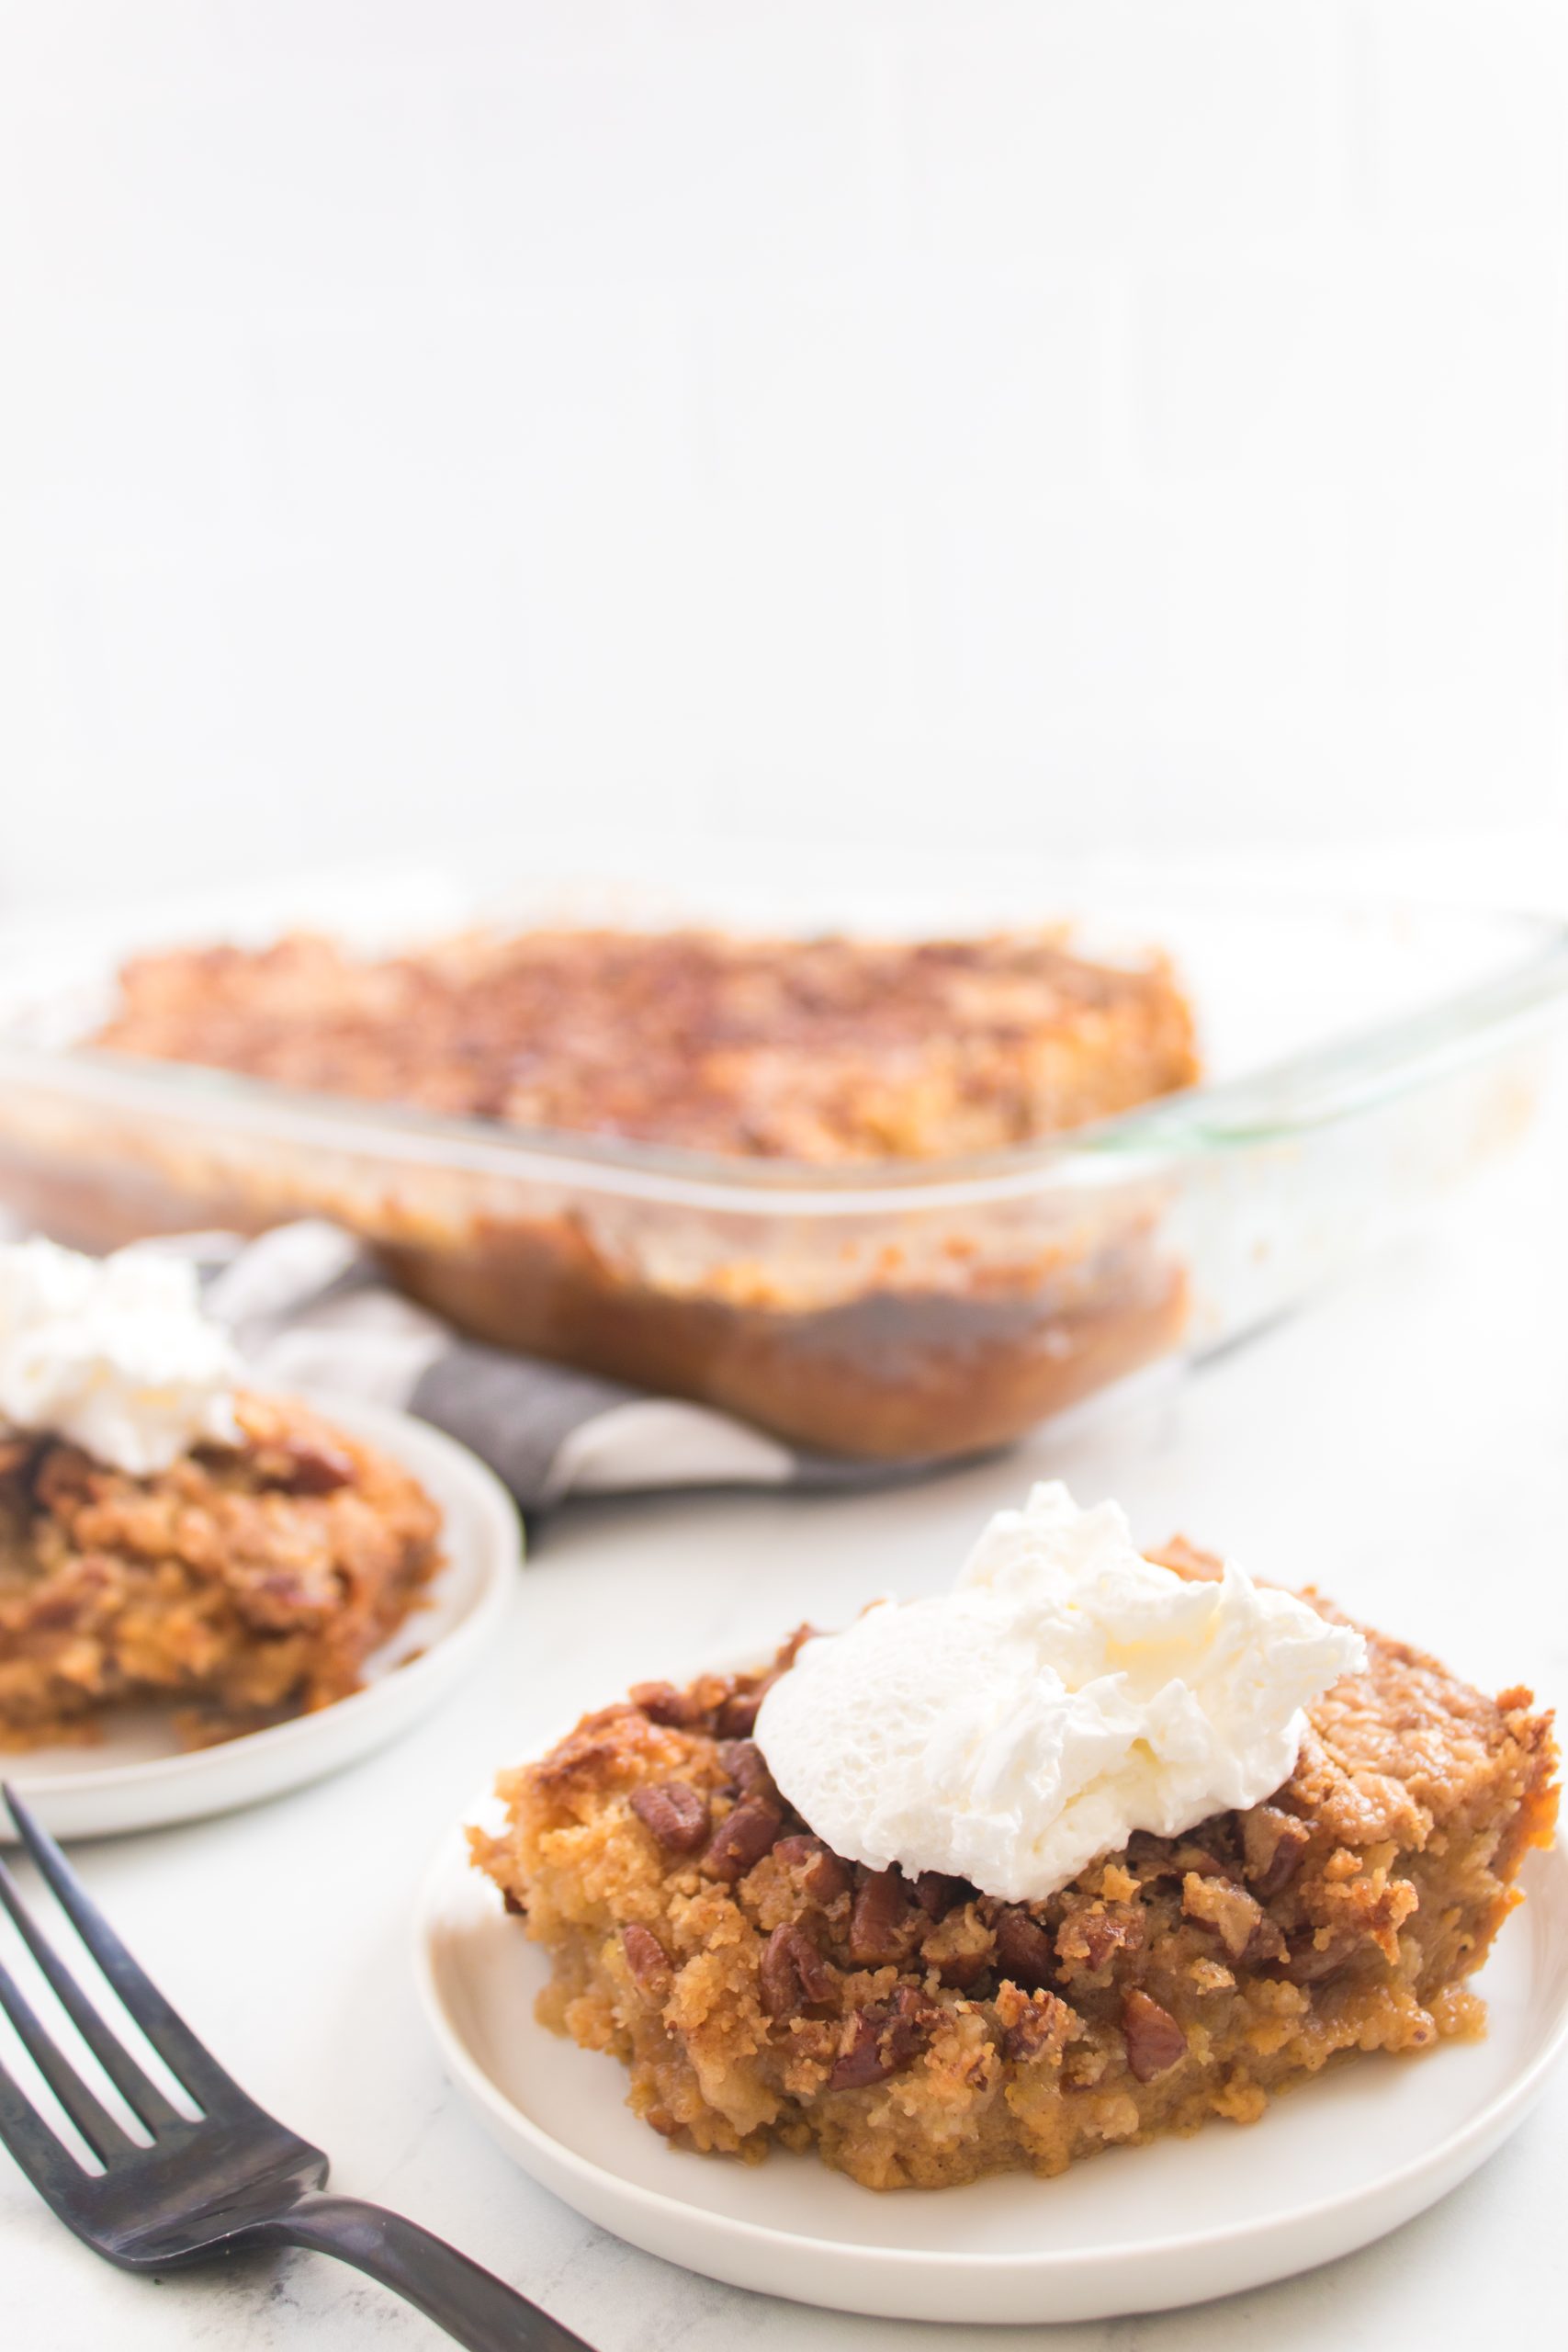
[[1404, 1440]]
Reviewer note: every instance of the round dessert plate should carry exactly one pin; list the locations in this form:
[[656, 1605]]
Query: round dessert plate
[[135, 1775], [1328, 2168]]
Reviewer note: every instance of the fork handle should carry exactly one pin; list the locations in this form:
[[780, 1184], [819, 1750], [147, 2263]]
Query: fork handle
[[473, 2306]]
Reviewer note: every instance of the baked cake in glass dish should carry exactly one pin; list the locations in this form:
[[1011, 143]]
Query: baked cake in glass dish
[[786, 1176], [1112, 1943], [166, 1536]]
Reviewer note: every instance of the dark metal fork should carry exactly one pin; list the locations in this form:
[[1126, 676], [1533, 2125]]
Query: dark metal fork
[[230, 2180]]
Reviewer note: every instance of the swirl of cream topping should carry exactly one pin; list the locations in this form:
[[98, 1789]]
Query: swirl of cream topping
[[114, 1353], [1064, 1693]]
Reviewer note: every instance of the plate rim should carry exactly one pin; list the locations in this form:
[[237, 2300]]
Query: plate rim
[[383, 1425], [1487, 2126]]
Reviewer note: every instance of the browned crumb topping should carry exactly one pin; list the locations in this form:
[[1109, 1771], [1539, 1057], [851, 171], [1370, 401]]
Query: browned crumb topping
[[919, 2032], [248, 1582], [821, 1049]]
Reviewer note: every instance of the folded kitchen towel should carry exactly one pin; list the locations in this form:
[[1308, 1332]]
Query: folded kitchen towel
[[309, 1307]]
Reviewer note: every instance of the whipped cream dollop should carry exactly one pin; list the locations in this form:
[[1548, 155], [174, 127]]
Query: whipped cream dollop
[[114, 1353], [1066, 1693]]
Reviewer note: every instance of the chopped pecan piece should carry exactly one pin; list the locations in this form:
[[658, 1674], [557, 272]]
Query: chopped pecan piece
[[909, 2026], [742, 1837], [817, 1978], [1238, 1918], [1151, 1859], [648, 1963], [585, 1759], [1273, 1843], [960, 1947], [1090, 1939], [936, 1893], [675, 1811], [884, 2038], [742, 1759], [799, 1849], [307, 1466], [1154, 2041], [1189, 1857], [793, 1972], [1034, 2025], [823, 1873], [737, 1715], [1025, 1951], [880, 1924], [662, 1704], [860, 2060]]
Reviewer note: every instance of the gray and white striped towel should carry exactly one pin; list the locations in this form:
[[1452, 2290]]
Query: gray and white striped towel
[[308, 1307]]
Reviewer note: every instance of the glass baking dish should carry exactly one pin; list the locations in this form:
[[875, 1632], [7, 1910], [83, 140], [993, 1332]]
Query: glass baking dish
[[1362, 1056]]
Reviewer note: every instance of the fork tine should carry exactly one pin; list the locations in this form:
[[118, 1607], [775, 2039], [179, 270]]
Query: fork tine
[[140, 2093], [47, 2161], [185, 2056], [93, 2121]]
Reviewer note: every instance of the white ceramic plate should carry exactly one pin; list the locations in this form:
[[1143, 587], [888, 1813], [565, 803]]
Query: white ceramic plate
[[1332, 2167], [137, 1777]]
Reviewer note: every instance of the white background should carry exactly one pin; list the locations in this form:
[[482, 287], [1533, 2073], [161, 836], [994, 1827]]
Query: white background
[[1048, 420]]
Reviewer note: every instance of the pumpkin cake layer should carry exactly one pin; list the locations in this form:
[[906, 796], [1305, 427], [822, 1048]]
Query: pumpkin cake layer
[[917, 2033], [246, 1583]]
